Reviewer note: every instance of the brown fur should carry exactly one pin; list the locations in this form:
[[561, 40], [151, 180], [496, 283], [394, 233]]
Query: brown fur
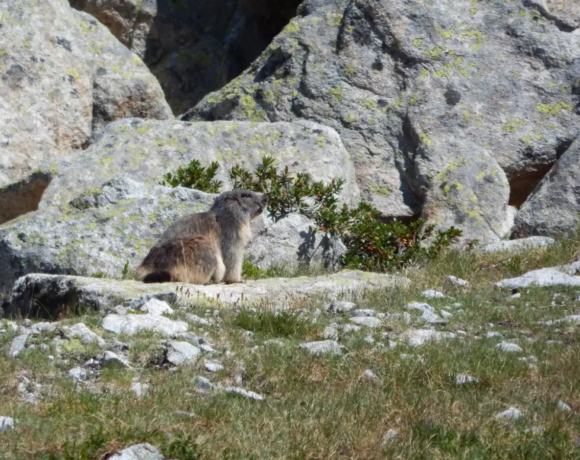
[[208, 247]]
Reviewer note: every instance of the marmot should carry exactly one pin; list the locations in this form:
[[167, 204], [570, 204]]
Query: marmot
[[208, 247]]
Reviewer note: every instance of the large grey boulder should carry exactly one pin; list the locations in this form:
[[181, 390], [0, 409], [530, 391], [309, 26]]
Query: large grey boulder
[[147, 149], [46, 295], [554, 207], [193, 47], [132, 324], [109, 230], [484, 94], [63, 77]]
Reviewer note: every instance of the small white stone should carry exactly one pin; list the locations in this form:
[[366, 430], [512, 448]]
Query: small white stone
[[389, 437], [454, 281], [368, 374], [563, 406], [509, 347], [517, 295], [363, 312], [138, 452], [492, 334], [369, 339], [113, 359], [428, 313], [350, 328], [140, 389], [462, 379], [322, 347], [78, 373], [276, 342], [432, 294], [213, 367], [330, 333], [17, 345], [418, 337], [6, 423], [337, 306], [446, 314], [203, 383], [198, 321], [511, 413], [179, 353], [156, 307], [457, 304], [367, 321], [245, 393]]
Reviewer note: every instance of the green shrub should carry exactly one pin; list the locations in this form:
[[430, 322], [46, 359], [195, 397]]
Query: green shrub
[[286, 191], [371, 244], [194, 175]]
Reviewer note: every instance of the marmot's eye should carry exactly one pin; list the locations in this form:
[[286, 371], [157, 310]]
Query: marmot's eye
[[246, 195]]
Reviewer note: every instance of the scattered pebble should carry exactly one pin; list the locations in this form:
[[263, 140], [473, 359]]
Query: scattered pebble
[[213, 367], [157, 307], [338, 306], [511, 413], [462, 379], [17, 345], [179, 353], [138, 452], [446, 314], [363, 312], [454, 281], [78, 373], [563, 406], [6, 423], [509, 347], [203, 383], [432, 294], [140, 389], [244, 393], [330, 333], [492, 334], [199, 321], [428, 313], [113, 359], [368, 374], [276, 342], [83, 333], [350, 328], [367, 321], [418, 337], [389, 437], [322, 347], [517, 295]]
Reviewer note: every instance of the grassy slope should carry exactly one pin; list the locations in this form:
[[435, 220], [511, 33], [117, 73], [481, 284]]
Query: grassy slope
[[322, 407]]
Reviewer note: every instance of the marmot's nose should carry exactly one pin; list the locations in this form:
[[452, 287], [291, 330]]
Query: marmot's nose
[[265, 198]]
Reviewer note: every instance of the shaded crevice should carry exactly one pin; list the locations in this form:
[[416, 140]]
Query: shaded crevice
[[523, 183], [22, 197], [561, 25]]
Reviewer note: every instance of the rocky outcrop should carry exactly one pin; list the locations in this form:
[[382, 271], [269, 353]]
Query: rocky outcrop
[[47, 295], [554, 207], [108, 231], [63, 76], [193, 47], [415, 91], [146, 150]]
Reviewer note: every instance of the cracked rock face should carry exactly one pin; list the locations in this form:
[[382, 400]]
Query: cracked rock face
[[63, 77], [442, 113], [193, 48], [554, 207]]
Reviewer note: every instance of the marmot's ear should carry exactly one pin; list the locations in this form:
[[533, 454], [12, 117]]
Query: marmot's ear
[[235, 198]]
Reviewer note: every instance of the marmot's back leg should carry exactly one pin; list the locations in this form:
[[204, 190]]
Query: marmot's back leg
[[198, 261]]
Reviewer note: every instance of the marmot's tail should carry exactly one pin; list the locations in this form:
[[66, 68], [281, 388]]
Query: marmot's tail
[[157, 277]]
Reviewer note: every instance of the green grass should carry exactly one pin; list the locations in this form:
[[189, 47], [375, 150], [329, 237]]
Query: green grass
[[320, 407]]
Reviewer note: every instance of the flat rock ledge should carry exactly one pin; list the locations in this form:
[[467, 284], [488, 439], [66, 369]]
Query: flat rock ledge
[[41, 295]]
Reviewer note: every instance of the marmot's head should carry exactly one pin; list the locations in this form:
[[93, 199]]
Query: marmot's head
[[244, 202]]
